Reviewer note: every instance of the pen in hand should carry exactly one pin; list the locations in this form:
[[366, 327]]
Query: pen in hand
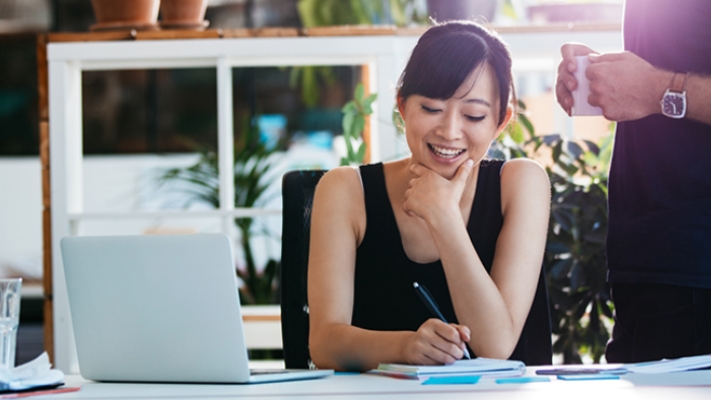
[[424, 295]]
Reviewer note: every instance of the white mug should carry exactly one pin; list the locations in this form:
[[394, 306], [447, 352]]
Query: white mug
[[581, 93]]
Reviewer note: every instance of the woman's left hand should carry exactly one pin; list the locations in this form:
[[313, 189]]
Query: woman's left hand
[[429, 194]]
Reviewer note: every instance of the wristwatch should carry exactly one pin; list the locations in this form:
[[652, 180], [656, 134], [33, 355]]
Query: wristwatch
[[674, 100]]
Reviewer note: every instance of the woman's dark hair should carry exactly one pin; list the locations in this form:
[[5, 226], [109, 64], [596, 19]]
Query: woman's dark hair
[[447, 53]]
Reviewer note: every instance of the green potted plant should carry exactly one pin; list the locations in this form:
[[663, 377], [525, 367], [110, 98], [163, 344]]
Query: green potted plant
[[462, 9], [316, 13], [359, 12], [575, 264], [354, 119], [252, 164]]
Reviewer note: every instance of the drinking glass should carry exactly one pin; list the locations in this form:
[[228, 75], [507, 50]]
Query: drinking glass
[[9, 320]]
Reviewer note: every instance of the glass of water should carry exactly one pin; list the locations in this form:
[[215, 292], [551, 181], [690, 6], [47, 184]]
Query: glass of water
[[9, 320]]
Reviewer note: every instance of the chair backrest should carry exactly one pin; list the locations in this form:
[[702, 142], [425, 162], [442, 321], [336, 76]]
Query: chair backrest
[[297, 196], [534, 347]]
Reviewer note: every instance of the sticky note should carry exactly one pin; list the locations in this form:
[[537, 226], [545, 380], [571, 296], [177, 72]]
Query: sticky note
[[452, 380]]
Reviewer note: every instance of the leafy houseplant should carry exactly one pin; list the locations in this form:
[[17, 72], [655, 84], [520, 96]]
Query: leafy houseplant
[[574, 261], [315, 13], [354, 113], [358, 12], [252, 164]]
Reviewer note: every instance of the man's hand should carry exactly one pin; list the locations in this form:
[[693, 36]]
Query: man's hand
[[625, 86], [565, 80]]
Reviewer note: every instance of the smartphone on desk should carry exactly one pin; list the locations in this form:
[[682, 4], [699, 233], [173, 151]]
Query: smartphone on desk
[[580, 371]]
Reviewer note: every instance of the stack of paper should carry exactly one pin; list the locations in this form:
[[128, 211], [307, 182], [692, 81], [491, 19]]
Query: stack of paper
[[478, 366], [34, 374], [651, 367], [675, 365]]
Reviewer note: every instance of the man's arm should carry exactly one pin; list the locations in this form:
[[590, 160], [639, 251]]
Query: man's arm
[[698, 98], [627, 87]]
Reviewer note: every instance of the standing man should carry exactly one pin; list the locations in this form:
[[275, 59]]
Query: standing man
[[659, 239]]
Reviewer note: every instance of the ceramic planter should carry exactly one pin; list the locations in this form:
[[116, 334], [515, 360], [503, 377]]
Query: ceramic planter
[[183, 14], [125, 14]]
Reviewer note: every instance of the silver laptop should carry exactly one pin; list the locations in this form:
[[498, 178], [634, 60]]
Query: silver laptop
[[160, 308]]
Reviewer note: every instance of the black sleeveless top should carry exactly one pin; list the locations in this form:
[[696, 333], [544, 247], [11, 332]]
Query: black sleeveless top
[[384, 298]]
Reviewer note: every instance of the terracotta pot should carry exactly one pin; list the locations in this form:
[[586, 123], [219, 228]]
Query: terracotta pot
[[126, 11], [125, 14], [182, 12]]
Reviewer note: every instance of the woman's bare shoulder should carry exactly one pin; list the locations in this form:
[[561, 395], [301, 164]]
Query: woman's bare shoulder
[[340, 190], [523, 180], [339, 201], [520, 170], [340, 179]]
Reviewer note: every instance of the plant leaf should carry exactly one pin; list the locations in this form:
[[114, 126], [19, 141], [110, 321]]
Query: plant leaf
[[348, 125], [361, 153], [574, 149], [516, 133], [359, 93], [358, 125]]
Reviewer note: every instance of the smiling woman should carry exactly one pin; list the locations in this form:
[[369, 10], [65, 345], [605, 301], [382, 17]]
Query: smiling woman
[[471, 230], [464, 123]]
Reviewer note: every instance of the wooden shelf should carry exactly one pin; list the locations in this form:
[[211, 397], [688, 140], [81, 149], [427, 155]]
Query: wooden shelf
[[149, 215], [323, 31]]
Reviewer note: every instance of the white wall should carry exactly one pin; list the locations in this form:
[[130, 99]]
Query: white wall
[[20, 215], [122, 184]]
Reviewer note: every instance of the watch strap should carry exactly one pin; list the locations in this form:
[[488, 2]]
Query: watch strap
[[678, 83]]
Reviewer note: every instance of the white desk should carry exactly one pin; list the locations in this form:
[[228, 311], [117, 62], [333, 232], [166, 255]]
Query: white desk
[[354, 386]]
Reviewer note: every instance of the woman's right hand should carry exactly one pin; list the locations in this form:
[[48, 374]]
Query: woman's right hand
[[565, 82], [436, 343], [431, 195]]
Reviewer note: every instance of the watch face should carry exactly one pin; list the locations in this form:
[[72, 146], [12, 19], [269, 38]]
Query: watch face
[[674, 104]]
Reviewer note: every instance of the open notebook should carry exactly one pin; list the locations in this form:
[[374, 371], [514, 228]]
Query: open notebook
[[159, 308], [478, 366]]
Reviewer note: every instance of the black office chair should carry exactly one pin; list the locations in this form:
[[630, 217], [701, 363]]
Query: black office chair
[[534, 347], [297, 196]]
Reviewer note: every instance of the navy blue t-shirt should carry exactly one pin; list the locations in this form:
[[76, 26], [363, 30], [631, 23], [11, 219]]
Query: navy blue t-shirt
[[660, 178]]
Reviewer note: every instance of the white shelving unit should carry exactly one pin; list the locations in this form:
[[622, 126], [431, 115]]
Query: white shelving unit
[[68, 60], [533, 50]]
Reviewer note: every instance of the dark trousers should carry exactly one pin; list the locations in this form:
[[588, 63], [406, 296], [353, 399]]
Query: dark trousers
[[655, 321]]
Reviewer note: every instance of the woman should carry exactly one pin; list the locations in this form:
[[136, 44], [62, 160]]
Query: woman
[[471, 230]]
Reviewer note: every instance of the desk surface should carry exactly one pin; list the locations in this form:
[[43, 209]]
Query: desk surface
[[687, 385]]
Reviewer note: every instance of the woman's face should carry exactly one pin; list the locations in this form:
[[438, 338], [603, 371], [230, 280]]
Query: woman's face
[[443, 134]]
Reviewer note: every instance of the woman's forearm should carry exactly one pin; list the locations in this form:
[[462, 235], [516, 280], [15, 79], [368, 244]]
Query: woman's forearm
[[347, 348], [476, 299]]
